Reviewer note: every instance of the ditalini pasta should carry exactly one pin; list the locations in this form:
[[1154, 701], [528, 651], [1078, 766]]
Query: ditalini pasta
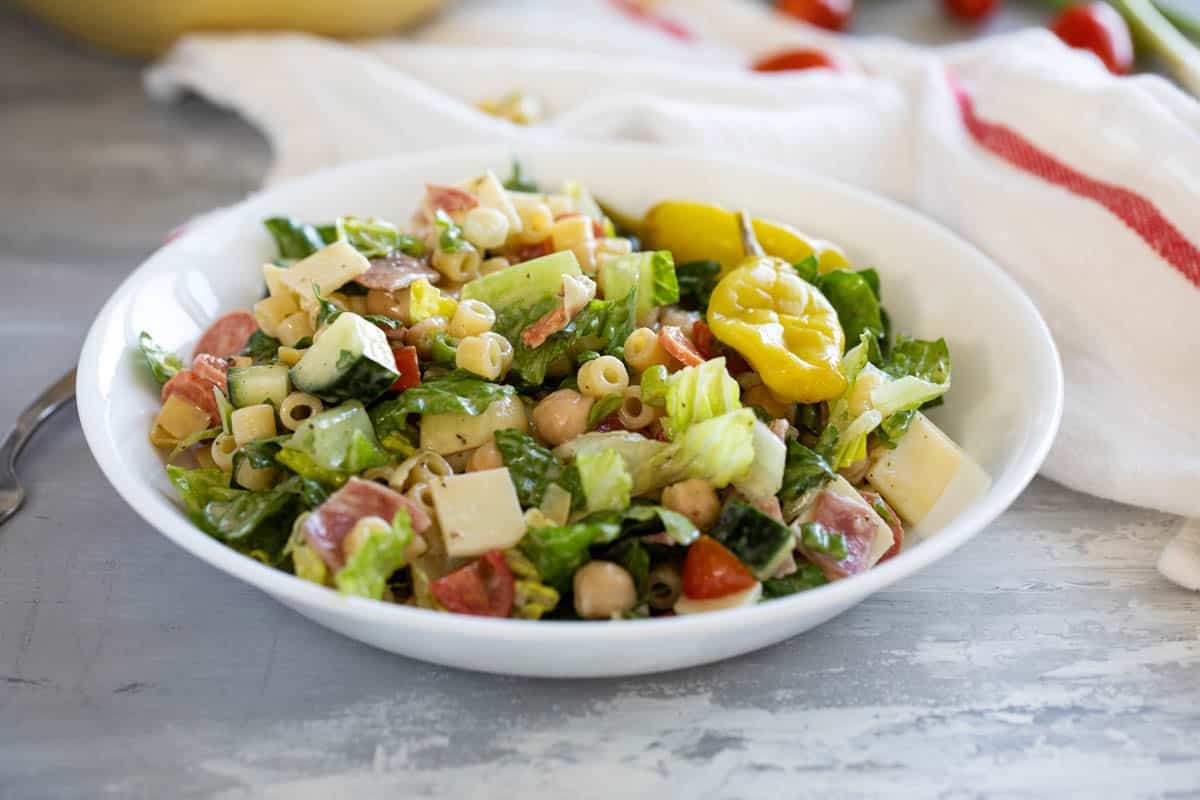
[[517, 407]]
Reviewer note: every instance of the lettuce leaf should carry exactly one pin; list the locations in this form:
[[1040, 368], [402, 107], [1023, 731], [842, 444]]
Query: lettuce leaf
[[601, 325], [602, 408], [533, 469], [696, 281], [719, 450], [559, 551], [697, 393], [765, 477], [650, 274], [856, 301], [844, 439], [605, 480], [375, 238], [333, 445], [655, 381], [807, 576], [380, 554], [804, 470], [257, 524], [295, 239], [261, 348], [450, 240], [458, 392], [163, 365]]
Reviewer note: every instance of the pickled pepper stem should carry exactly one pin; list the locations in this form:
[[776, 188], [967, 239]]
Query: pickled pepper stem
[[749, 240]]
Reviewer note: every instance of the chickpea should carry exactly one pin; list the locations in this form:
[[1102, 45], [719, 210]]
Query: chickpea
[[603, 589], [562, 416], [486, 456], [695, 499]]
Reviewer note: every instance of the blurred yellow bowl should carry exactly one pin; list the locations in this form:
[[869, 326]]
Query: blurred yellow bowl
[[147, 27]]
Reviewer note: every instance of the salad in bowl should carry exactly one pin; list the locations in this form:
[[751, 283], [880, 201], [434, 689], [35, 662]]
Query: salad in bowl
[[521, 403]]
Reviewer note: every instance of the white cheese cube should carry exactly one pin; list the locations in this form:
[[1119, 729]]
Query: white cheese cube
[[330, 268], [914, 476], [746, 597], [477, 512]]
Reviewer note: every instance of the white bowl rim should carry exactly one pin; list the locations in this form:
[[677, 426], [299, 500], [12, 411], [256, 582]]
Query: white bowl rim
[[145, 500]]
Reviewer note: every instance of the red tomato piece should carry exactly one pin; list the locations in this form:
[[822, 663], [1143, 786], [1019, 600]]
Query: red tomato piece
[[970, 10], [1099, 28], [706, 343], [679, 346], [833, 15], [800, 58], [408, 368], [711, 571], [483, 588]]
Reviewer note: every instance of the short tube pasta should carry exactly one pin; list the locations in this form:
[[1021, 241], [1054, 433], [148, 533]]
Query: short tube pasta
[[488, 355], [484, 227], [294, 328], [471, 318], [601, 376], [643, 350], [633, 413], [223, 448], [297, 407], [459, 266], [422, 495], [252, 422]]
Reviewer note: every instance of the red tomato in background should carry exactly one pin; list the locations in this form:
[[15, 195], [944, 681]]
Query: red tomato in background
[[833, 15], [970, 10], [711, 571], [788, 60], [483, 588], [1099, 28]]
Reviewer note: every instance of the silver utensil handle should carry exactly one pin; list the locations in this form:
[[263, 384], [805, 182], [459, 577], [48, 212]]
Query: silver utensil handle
[[41, 409]]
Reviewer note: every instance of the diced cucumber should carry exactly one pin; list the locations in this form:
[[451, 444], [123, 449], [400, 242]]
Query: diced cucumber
[[522, 292], [760, 542], [651, 273], [350, 360], [249, 386]]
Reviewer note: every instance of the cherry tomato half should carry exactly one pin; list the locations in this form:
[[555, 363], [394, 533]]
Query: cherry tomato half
[[1099, 28], [802, 58], [409, 371], [711, 571], [971, 10], [833, 15], [483, 587]]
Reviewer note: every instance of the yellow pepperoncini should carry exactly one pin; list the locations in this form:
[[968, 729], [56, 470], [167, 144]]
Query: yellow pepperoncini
[[699, 231], [782, 325]]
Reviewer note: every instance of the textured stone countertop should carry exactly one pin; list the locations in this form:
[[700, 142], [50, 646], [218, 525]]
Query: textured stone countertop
[[1044, 659]]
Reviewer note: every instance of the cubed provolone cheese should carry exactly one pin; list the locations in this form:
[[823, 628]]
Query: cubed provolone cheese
[[330, 268], [746, 597], [477, 512], [914, 475]]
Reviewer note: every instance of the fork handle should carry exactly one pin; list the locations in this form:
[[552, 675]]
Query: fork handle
[[41, 409]]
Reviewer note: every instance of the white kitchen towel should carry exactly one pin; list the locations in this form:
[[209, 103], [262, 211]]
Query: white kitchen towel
[[1085, 187]]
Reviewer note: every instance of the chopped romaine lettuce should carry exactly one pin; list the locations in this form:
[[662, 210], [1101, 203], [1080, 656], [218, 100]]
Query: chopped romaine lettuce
[[257, 524], [456, 392], [333, 445], [719, 450], [806, 576], [523, 293], [856, 301], [375, 238], [696, 280], [380, 554], [198, 487], [558, 552], [922, 372], [605, 480], [262, 348], [635, 449], [450, 240], [534, 469], [654, 386], [765, 478], [602, 408], [602, 324], [295, 239], [803, 471], [162, 364], [650, 274], [697, 393]]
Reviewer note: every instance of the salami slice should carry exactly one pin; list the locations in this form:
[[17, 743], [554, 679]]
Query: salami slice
[[395, 272], [196, 390], [855, 522], [212, 369], [450, 199], [227, 336], [680, 347], [331, 521]]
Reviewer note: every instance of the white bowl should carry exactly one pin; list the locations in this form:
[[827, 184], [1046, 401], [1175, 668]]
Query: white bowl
[[1004, 408]]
